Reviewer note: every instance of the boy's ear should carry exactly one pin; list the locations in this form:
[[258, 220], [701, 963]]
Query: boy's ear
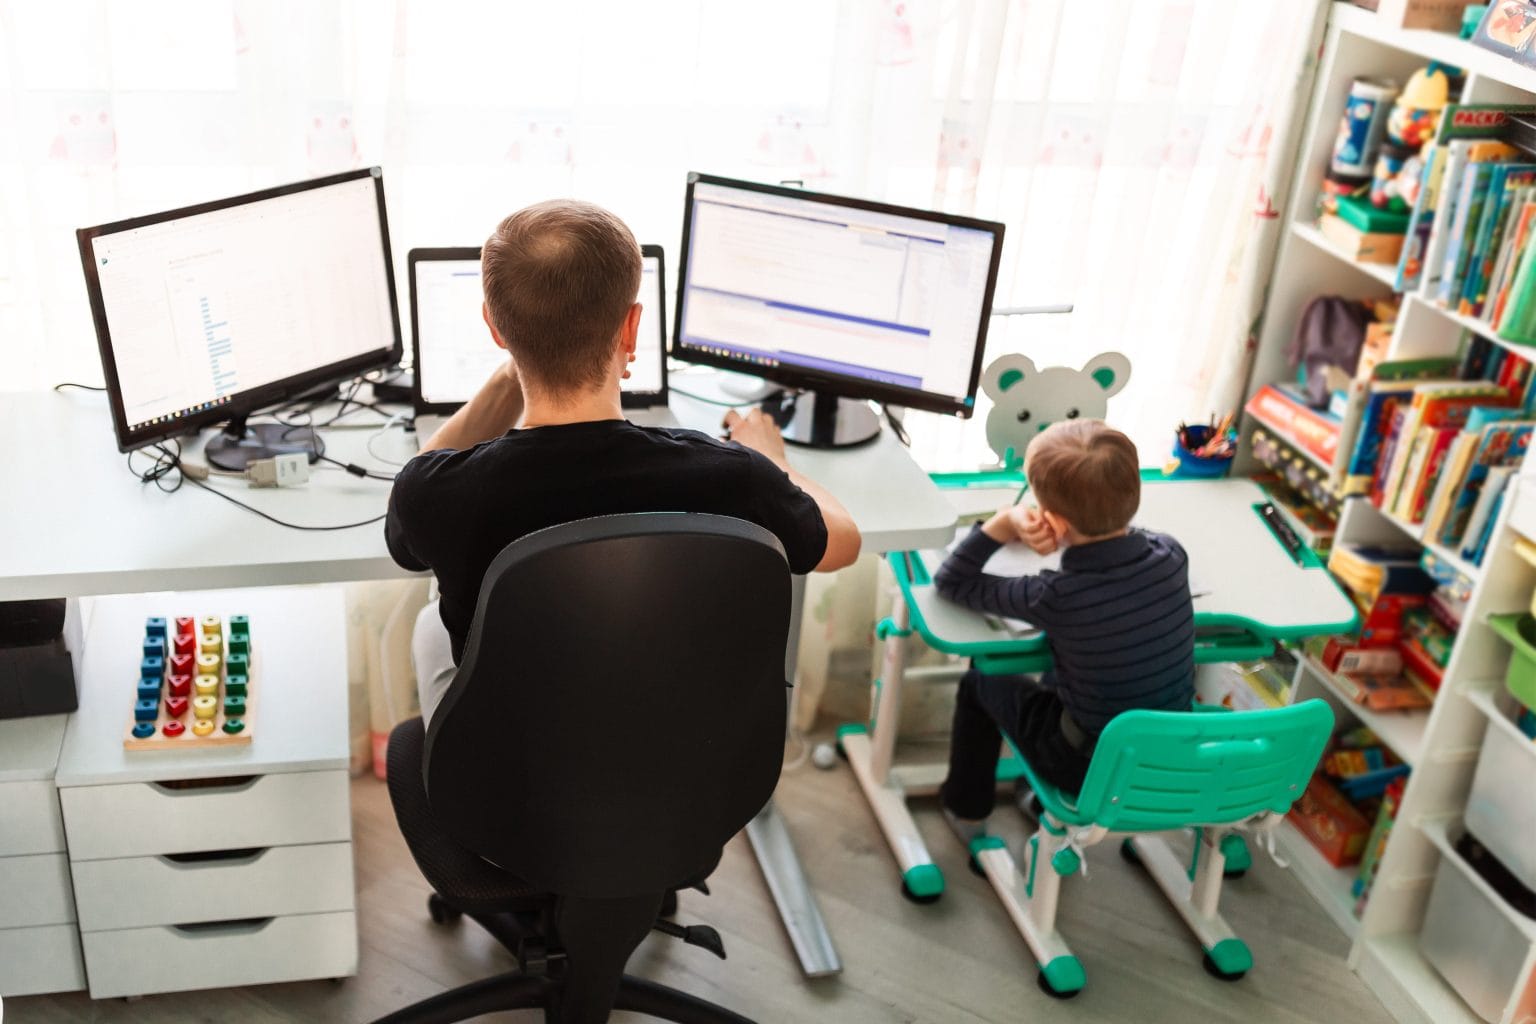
[[1004, 373], [1058, 525]]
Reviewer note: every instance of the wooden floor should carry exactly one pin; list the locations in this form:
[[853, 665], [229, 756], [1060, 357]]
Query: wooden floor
[[957, 960]]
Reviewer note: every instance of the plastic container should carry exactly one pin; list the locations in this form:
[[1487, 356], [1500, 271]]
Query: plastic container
[[1500, 807], [1471, 935], [1520, 632], [1188, 465]]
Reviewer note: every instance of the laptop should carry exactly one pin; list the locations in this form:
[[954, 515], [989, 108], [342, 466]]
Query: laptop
[[454, 355]]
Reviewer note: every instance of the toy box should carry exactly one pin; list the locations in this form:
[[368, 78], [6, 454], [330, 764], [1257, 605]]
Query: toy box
[[1440, 15], [1508, 28]]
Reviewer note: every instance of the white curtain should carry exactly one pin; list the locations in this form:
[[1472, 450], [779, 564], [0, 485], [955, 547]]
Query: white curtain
[[1137, 151]]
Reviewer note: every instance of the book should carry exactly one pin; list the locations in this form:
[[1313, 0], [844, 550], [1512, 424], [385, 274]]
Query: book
[[1436, 404], [1438, 446], [1484, 513], [1453, 470], [1499, 444], [1504, 183], [1458, 246], [1363, 439], [1359, 245], [1462, 152], [1518, 320], [1393, 440], [1285, 411], [1514, 254], [1413, 469], [1372, 571], [1410, 264]]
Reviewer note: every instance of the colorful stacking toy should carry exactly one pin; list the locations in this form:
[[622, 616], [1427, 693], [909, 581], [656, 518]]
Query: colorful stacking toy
[[194, 683]]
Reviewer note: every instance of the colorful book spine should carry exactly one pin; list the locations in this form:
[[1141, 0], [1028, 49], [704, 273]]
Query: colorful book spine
[[1469, 208], [1439, 446], [1410, 265]]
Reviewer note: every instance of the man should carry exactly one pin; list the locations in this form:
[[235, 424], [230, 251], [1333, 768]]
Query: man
[[545, 440]]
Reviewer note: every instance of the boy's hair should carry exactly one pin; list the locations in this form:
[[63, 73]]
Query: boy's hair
[[559, 278], [1086, 472]]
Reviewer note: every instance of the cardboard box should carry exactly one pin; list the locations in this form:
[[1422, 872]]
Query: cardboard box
[[1330, 823], [1359, 246], [1440, 15]]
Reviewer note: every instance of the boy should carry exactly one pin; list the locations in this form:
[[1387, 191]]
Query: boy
[[1118, 616], [545, 440]]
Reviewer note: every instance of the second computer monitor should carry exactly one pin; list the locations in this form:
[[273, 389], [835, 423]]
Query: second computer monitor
[[841, 296]]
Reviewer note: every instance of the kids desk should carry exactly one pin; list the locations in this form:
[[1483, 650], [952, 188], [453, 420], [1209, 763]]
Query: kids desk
[[1249, 592]]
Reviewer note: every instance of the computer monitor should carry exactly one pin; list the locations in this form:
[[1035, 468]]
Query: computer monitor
[[213, 312], [452, 353], [846, 298]]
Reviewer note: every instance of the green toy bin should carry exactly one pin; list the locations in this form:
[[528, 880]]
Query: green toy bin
[[1520, 631]]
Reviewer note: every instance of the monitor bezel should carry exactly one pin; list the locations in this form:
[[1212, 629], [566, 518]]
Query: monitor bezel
[[627, 399], [264, 396], [811, 379]]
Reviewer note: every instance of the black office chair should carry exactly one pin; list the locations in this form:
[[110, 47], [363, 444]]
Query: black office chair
[[617, 716]]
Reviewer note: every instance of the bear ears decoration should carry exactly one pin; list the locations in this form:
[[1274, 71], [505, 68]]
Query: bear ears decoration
[[1026, 400]]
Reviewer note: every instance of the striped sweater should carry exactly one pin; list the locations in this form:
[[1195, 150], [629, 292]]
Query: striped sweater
[[1118, 616]]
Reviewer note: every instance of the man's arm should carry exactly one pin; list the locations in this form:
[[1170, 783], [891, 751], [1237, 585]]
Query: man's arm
[[493, 411], [756, 431]]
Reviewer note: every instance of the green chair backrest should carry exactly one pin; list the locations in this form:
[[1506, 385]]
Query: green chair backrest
[[1157, 770]]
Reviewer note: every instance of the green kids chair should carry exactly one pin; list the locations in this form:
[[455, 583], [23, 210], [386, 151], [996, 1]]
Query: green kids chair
[[1216, 771]]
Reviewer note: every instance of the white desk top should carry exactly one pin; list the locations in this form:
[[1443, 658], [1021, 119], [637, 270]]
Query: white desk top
[[299, 669], [29, 747], [82, 524], [1238, 570]]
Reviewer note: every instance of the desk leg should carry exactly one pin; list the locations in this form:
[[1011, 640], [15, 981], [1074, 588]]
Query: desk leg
[[775, 851]]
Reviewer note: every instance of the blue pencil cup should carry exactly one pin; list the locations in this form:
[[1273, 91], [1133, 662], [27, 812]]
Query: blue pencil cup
[[1198, 467]]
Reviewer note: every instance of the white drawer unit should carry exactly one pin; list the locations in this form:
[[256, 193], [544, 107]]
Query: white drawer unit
[[134, 961], [220, 866], [39, 941], [276, 881]]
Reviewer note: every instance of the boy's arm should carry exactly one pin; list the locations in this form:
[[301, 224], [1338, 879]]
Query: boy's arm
[[493, 411], [962, 580]]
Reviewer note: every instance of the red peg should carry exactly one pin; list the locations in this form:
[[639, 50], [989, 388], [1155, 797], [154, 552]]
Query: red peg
[[185, 644], [179, 685], [176, 706], [173, 729], [186, 625], [182, 664]]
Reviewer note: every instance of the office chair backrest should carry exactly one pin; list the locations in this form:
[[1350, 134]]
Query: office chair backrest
[[619, 710], [1155, 770]]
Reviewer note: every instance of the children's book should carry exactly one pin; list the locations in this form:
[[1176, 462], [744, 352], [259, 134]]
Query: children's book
[[1505, 181], [1416, 505], [1436, 404], [1392, 383], [1390, 443], [1445, 210], [1521, 214], [1518, 320], [1484, 513], [1453, 469], [1500, 444], [1410, 265], [1413, 469], [1458, 247]]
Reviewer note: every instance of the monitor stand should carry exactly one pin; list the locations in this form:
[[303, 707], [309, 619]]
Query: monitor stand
[[814, 419], [240, 444]]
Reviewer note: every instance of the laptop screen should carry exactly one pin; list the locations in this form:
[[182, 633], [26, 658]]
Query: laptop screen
[[455, 354]]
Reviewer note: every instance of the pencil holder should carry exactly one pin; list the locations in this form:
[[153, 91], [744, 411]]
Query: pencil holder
[[1188, 465]]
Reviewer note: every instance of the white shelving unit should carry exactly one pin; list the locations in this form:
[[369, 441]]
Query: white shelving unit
[[1443, 743]]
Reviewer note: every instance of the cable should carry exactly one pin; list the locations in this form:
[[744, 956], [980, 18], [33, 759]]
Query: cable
[[897, 426], [167, 461], [709, 401], [380, 433], [71, 384], [356, 470]]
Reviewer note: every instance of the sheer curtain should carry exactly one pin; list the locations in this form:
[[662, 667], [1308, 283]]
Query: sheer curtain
[[1137, 151]]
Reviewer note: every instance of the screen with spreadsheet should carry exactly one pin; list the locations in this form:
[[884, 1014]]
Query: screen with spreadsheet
[[860, 299], [213, 311], [454, 351]]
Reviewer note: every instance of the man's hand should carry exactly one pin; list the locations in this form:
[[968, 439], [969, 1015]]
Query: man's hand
[[1033, 529], [756, 430]]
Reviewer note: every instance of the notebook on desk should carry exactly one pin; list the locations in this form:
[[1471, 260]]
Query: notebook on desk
[[454, 355]]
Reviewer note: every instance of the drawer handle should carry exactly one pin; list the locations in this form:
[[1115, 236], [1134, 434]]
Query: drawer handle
[[183, 787], [220, 858], [239, 926]]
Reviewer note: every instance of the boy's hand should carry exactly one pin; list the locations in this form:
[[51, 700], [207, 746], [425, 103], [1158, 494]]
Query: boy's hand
[[756, 430], [1001, 527], [1033, 529]]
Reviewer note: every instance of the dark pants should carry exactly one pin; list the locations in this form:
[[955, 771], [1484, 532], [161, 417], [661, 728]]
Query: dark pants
[[987, 707]]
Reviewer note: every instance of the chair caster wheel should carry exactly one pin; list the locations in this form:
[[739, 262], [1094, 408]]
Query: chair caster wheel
[[668, 904], [913, 897], [1217, 973], [842, 753], [1128, 852], [1238, 873], [1052, 990], [975, 866], [441, 912]]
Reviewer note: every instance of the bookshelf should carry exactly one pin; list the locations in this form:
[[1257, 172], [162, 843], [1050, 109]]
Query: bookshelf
[[1441, 743]]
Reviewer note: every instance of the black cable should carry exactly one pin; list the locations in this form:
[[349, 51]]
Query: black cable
[[356, 470], [167, 462], [71, 384], [710, 401], [897, 426]]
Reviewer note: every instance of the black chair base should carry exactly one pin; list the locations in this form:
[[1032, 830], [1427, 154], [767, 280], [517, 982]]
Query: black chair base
[[516, 991]]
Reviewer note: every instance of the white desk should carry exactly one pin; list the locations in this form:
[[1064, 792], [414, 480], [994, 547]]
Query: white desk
[[85, 525]]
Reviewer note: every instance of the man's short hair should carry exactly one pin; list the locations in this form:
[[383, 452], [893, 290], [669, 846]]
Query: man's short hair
[[1086, 472], [559, 278]]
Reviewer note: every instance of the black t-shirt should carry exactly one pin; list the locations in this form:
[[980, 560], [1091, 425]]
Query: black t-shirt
[[453, 511]]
